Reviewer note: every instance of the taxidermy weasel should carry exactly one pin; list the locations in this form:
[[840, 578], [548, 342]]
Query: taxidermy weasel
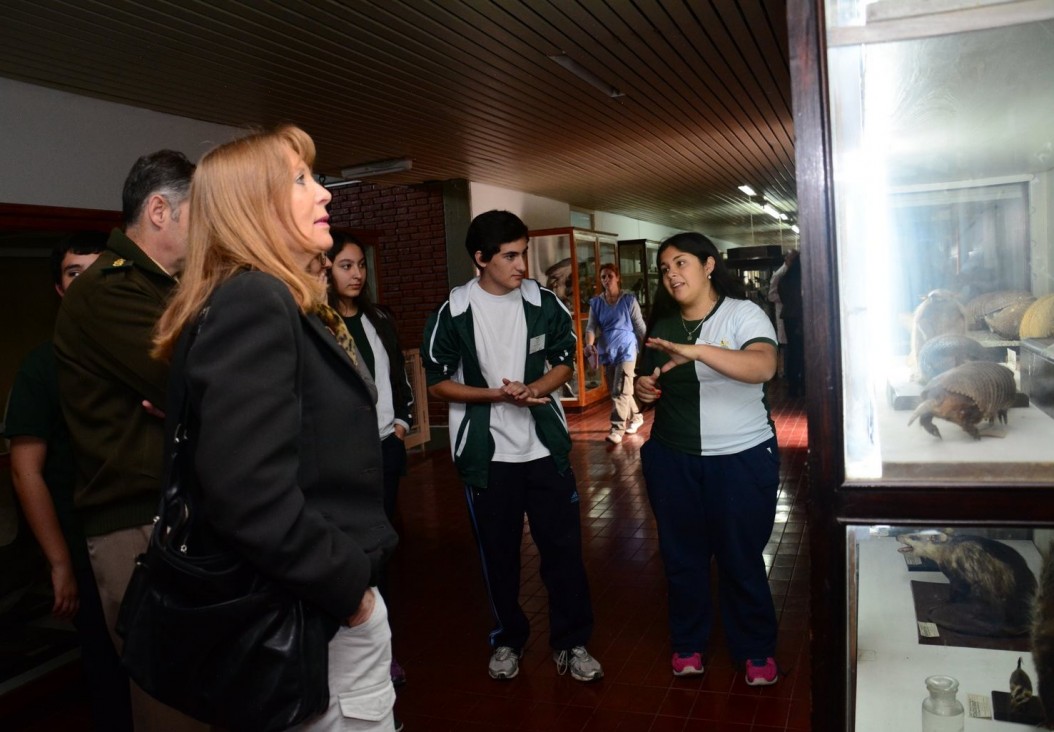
[[992, 588], [1043, 637]]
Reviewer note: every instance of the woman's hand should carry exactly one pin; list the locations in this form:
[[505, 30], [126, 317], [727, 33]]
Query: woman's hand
[[679, 353], [591, 355], [365, 609], [646, 388]]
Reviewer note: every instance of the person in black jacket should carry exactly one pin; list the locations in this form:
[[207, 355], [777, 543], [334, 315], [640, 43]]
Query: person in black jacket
[[373, 328], [287, 455], [789, 289]]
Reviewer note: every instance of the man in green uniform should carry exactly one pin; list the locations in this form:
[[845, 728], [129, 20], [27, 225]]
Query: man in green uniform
[[103, 338]]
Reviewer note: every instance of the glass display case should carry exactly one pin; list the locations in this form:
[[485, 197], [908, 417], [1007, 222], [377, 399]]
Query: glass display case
[[941, 144], [926, 206], [638, 266], [574, 279], [930, 600]]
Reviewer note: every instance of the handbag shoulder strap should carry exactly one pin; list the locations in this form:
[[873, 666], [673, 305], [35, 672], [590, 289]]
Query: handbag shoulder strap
[[173, 510]]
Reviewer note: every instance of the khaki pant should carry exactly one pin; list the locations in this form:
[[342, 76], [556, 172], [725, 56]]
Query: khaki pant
[[623, 404], [113, 560]]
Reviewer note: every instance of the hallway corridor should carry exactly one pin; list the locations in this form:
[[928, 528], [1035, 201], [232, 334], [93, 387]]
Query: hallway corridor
[[440, 617]]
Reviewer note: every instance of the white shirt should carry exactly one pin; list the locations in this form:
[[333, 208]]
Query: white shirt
[[500, 329]]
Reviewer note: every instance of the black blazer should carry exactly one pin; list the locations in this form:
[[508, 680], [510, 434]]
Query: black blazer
[[288, 458]]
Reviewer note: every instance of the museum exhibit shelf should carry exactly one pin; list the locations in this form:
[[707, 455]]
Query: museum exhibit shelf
[[925, 159], [638, 267], [896, 649], [567, 261]]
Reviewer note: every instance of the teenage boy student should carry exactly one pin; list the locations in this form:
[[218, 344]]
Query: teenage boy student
[[497, 350]]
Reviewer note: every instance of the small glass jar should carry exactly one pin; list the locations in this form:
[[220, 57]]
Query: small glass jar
[[941, 711]]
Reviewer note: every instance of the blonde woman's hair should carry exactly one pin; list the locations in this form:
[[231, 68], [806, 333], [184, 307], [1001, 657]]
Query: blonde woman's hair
[[241, 218]]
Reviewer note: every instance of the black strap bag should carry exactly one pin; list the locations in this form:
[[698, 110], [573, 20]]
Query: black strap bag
[[204, 631]]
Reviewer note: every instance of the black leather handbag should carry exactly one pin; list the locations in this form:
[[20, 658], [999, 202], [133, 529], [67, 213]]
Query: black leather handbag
[[208, 634]]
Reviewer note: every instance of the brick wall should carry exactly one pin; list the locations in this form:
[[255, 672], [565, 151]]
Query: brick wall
[[410, 255]]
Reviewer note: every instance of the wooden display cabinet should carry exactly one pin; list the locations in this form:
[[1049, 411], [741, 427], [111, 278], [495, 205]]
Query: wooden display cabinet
[[639, 270], [574, 278], [924, 164]]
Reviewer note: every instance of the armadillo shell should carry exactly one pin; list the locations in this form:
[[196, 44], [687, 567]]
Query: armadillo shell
[[1038, 320], [989, 302], [1007, 320], [990, 385], [947, 351]]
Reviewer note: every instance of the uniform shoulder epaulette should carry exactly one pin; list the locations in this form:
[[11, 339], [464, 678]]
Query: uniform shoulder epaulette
[[119, 265]]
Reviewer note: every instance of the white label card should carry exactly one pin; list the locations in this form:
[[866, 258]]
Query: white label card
[[980, 706], [536, 344]]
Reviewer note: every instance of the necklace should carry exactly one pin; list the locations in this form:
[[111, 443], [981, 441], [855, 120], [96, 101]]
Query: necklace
[[692, 332]]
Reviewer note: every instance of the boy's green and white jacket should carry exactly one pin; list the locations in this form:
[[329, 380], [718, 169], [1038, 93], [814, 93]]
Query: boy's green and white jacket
[[448, 351]]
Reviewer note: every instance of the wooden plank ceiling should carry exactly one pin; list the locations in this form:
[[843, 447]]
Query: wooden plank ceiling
[[465, 89]]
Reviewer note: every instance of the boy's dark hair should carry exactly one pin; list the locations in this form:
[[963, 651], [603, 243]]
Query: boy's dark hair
[[79, 242], [167, 172], [490, 230]]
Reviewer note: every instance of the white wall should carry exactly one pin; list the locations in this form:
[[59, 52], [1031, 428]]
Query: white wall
[[536, 212], [545, 213], [61, 149], [628, 228]]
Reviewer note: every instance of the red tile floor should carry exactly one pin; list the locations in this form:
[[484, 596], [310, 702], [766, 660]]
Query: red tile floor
[[440, 617]]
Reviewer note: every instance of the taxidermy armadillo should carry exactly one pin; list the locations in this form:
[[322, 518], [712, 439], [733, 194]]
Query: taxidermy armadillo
[[987, 303], [947, 351], [1006, 322], [1038, 320], [965, 395], [937, 314]]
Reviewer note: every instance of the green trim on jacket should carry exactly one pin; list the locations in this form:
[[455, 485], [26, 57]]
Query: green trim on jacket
[[448, 351]]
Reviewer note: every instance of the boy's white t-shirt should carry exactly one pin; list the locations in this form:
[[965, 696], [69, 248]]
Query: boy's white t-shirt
[[501, 345]]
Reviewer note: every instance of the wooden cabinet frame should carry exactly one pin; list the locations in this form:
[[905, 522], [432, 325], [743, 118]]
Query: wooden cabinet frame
[[834, 504]]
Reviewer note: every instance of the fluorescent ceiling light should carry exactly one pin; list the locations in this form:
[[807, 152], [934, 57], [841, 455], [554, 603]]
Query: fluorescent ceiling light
[[377, 167], [340, 184], [794, 228], [586, 75], [747, 190], [771, 211]]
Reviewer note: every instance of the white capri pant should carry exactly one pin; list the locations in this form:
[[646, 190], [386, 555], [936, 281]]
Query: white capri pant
[[361, 695]]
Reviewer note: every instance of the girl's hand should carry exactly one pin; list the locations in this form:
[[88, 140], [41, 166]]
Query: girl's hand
[[646, 388], [679, 353]]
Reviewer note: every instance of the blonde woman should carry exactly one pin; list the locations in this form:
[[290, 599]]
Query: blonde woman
[[287, 479]]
